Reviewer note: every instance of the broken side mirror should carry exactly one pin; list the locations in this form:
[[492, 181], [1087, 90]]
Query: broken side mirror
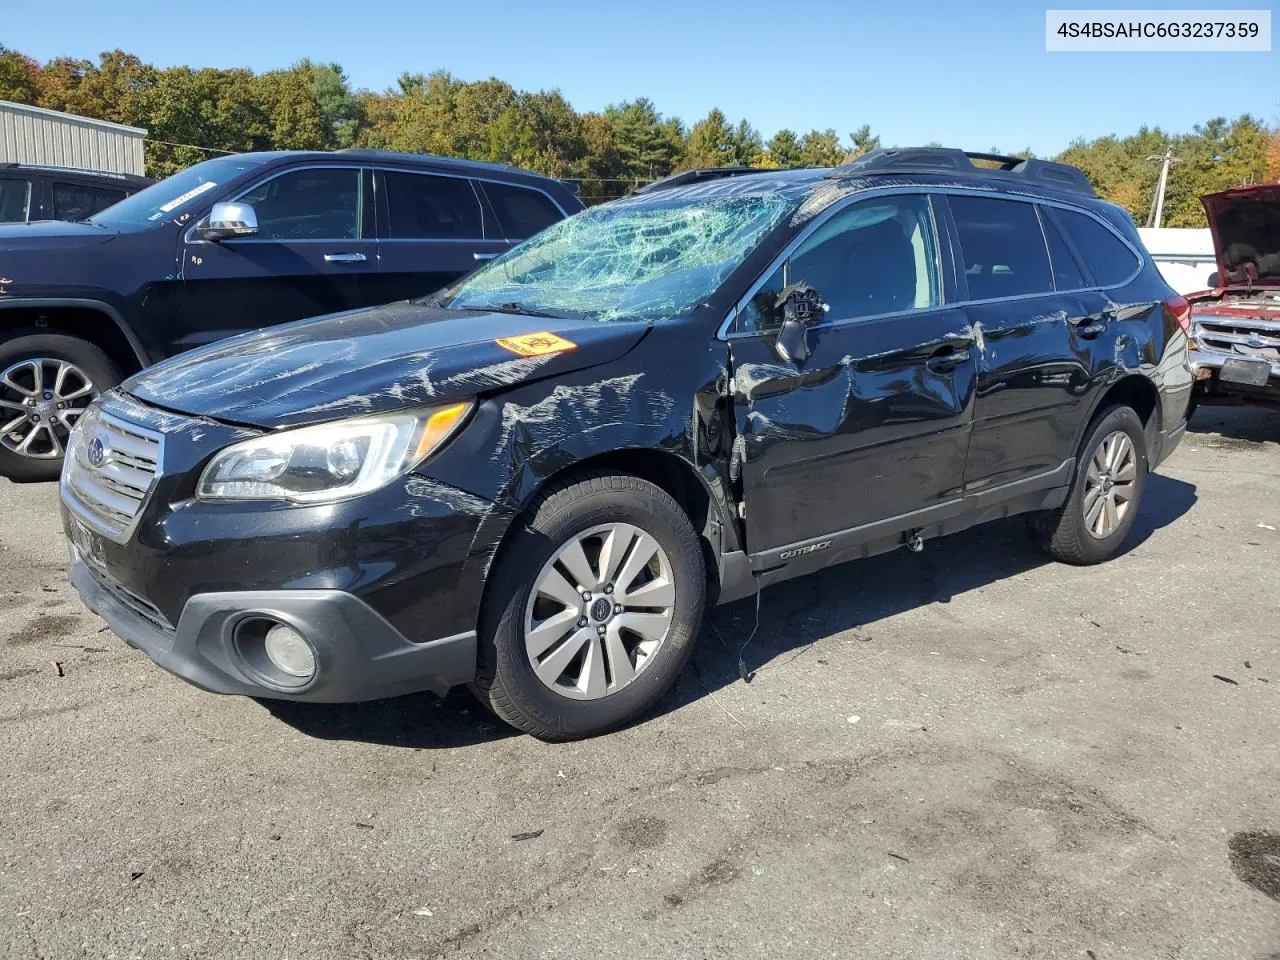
[[799, 307], [229, 220]]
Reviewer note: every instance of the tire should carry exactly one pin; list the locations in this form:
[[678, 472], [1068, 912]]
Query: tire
[[1068, 533], [86, 365], [572, 704]]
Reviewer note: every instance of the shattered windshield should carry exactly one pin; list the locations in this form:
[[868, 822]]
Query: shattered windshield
[[646, 258]]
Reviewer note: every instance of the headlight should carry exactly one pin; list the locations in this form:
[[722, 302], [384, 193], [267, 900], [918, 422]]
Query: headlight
[[330, 461]]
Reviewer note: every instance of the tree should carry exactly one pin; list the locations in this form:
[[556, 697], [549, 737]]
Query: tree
[[648, 146], [711, 142], [863, 141], [821, 148], [18, 77], [784, 149]]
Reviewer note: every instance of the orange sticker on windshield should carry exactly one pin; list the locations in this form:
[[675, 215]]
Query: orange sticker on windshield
[[536, 344]]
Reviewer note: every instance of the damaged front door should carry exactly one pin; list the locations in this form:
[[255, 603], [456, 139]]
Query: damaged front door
[[869, 432]]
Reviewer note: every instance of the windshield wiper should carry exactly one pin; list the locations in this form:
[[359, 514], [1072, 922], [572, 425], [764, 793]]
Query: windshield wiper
[[517, 308]]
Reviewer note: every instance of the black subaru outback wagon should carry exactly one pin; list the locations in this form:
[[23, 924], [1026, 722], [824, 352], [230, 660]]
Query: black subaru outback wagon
[[533, 481]]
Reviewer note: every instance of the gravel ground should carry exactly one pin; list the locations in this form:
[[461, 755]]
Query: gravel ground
[[966, 753]]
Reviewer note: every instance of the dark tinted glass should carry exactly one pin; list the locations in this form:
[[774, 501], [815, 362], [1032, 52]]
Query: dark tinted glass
[[1066, 273], [428, 207], [1107, 257], [1003, 248], [314, 203], [14, 198], [78, 201], [521, 213]]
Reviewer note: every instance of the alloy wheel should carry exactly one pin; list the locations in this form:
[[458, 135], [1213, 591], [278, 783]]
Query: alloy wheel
[[1109, 484], [40, 401], [599, 611]]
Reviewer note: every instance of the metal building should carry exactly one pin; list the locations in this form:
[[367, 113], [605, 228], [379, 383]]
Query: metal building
[[35, 135]]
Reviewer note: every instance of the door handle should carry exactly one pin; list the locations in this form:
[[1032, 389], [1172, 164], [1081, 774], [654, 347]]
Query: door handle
[[948, 358], [483, 256], [1089, 326], [345, 258]]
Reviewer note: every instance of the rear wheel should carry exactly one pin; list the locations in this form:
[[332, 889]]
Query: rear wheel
[[1110, 476], [46, 382], [593, 609]]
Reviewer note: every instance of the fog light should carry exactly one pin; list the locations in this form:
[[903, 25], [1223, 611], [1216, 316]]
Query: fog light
[[288, 652]]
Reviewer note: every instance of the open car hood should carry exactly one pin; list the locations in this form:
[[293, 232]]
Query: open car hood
[[374, 360], [1245, 222]]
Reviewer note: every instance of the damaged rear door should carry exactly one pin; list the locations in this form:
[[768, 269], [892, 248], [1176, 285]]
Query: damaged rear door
[[867, 436]]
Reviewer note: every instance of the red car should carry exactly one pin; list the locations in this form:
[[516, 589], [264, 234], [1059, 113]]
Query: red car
[[1235, 327]]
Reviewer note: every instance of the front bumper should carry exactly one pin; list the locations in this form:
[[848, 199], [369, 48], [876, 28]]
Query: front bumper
[[359, 655], [1206, 372]]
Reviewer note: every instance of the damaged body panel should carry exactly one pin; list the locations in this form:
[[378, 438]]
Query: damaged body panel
[[688, 395]]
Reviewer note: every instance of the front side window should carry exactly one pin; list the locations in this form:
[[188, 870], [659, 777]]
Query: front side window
[[1108, 258], [1003, 247], [78, 201], [15, 200], [423, 206], [521, 212], [877, 256], [315, 203], [642, 258]]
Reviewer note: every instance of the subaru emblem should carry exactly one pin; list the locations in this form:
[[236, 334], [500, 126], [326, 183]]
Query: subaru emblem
[[97, 452]]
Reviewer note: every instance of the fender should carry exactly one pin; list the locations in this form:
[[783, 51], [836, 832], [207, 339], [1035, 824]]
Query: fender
[[101, 307]]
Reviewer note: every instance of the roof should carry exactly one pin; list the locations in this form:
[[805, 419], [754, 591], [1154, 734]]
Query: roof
[[129, 178], [59, 116], [473, 167]]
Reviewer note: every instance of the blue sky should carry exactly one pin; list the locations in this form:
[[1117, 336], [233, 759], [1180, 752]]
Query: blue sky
[[972, 75]]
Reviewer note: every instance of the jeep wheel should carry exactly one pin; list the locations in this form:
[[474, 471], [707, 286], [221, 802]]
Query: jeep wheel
[[1110, 476], [46, 381], [592, 610]]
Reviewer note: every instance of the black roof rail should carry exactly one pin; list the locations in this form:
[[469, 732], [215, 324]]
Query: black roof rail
[[1045, 173], [686, 177]]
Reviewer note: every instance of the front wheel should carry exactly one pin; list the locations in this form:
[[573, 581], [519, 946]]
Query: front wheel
[[1110, 476], [593, 608], [46, 382]]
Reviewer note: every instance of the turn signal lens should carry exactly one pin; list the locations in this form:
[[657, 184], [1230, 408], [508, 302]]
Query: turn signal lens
[[439, 426]]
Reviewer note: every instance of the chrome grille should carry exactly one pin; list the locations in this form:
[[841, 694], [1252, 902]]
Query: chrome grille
[[108, 495], [1243, 338]]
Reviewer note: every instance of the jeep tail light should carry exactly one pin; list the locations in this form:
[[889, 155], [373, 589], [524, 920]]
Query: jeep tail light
[[1180, 307]]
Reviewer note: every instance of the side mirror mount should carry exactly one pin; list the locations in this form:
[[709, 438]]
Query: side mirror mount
[[229, 220], [800, 307], [1214, 280]]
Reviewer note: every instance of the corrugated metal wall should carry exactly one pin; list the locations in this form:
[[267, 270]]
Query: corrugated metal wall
[[33, 135]]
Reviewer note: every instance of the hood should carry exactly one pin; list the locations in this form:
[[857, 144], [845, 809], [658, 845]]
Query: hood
[[374, 360], [52, 235], [1245, 222]]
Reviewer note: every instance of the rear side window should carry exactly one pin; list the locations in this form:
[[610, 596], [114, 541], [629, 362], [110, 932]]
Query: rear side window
[[1066, 272], [78, 201], [1106, 256], [15, 198], [521, 212], [424, 206], [1003, 248]]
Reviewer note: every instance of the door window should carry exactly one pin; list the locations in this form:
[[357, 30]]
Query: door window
[[1003, 248], [1066, 272], [424, 206], [875, 257], [316, 203], [78, 201], [521, 212], [1108, 258], [15, 199]]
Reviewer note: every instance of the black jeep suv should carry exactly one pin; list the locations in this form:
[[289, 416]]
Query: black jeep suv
[[534, 480], [231, 245], [30, 191]]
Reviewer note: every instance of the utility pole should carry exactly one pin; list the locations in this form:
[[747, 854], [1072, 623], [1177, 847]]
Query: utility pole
[[1166, 161]]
